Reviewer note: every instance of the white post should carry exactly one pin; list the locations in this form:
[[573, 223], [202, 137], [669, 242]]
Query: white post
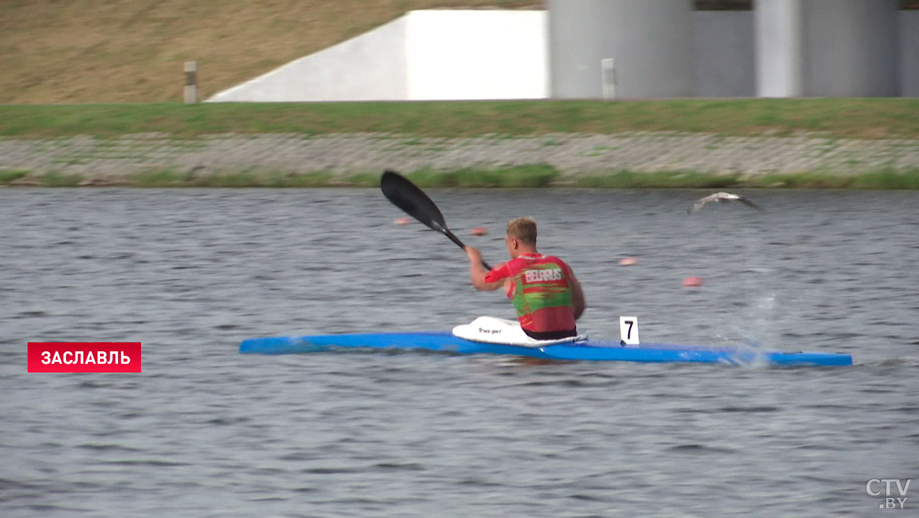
[[191, 82], [608, 76]]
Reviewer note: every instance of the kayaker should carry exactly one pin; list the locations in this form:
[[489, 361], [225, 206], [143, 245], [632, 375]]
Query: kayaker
[[544, 290]]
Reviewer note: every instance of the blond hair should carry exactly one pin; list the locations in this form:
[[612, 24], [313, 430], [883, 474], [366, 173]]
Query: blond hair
[[524, 229]]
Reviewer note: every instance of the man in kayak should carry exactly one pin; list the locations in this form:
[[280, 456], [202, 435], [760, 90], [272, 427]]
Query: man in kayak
[[544, 290]]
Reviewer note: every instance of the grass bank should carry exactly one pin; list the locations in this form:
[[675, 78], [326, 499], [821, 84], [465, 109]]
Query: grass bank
[[533, 176], [838, 117]]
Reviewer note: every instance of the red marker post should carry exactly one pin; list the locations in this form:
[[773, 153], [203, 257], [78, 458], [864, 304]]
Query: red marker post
[[84, 357]]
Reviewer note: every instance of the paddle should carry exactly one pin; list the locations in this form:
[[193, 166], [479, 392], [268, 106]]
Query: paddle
[[408, 197]]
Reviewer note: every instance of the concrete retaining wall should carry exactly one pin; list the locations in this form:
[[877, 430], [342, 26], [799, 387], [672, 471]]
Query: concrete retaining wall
[[477, 55], [425, 55], [369, 67], [661, 48]]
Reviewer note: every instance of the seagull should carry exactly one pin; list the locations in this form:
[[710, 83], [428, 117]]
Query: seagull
[[719, 197]]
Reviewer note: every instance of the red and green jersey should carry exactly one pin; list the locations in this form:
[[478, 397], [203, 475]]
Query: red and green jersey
[[541, 290]]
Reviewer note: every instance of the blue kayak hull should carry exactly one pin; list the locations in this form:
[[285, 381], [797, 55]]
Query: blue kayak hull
[[593, 350]]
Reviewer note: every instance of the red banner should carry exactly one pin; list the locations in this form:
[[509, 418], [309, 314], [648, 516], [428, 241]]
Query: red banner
[[84, 356]]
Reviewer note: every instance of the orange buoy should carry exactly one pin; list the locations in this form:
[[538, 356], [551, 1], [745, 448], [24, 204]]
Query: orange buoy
[[403, 221], [628, 261], [692, 282], [479, 231]]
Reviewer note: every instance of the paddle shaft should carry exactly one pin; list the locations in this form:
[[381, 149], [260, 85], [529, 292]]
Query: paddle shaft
[[453, 238], [460, 244]]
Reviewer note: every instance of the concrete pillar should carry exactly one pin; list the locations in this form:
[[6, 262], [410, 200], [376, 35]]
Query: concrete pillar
[[651, 42], [779, 48]]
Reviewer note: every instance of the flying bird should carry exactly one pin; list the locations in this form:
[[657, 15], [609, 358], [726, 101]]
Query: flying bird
[[719, 197]]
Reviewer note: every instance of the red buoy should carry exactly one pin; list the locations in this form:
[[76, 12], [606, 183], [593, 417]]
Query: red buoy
[[692, 282]]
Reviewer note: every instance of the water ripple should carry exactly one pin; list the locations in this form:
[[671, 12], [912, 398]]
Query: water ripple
[[204, 431]]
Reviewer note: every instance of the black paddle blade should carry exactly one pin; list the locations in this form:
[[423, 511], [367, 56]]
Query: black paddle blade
[[408, 197]]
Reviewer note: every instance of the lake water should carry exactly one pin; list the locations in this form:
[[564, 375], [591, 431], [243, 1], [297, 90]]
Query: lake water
[[206, 432]]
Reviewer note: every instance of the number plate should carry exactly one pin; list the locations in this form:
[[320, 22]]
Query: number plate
[[628, 330]]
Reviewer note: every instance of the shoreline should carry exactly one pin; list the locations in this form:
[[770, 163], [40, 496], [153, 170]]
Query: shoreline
[[620, 160]]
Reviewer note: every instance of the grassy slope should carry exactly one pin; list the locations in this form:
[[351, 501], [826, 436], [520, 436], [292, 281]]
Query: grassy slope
[[843, 118], [105, 51]]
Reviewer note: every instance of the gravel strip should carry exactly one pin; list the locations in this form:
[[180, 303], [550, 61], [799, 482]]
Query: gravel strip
[[371, 153]]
